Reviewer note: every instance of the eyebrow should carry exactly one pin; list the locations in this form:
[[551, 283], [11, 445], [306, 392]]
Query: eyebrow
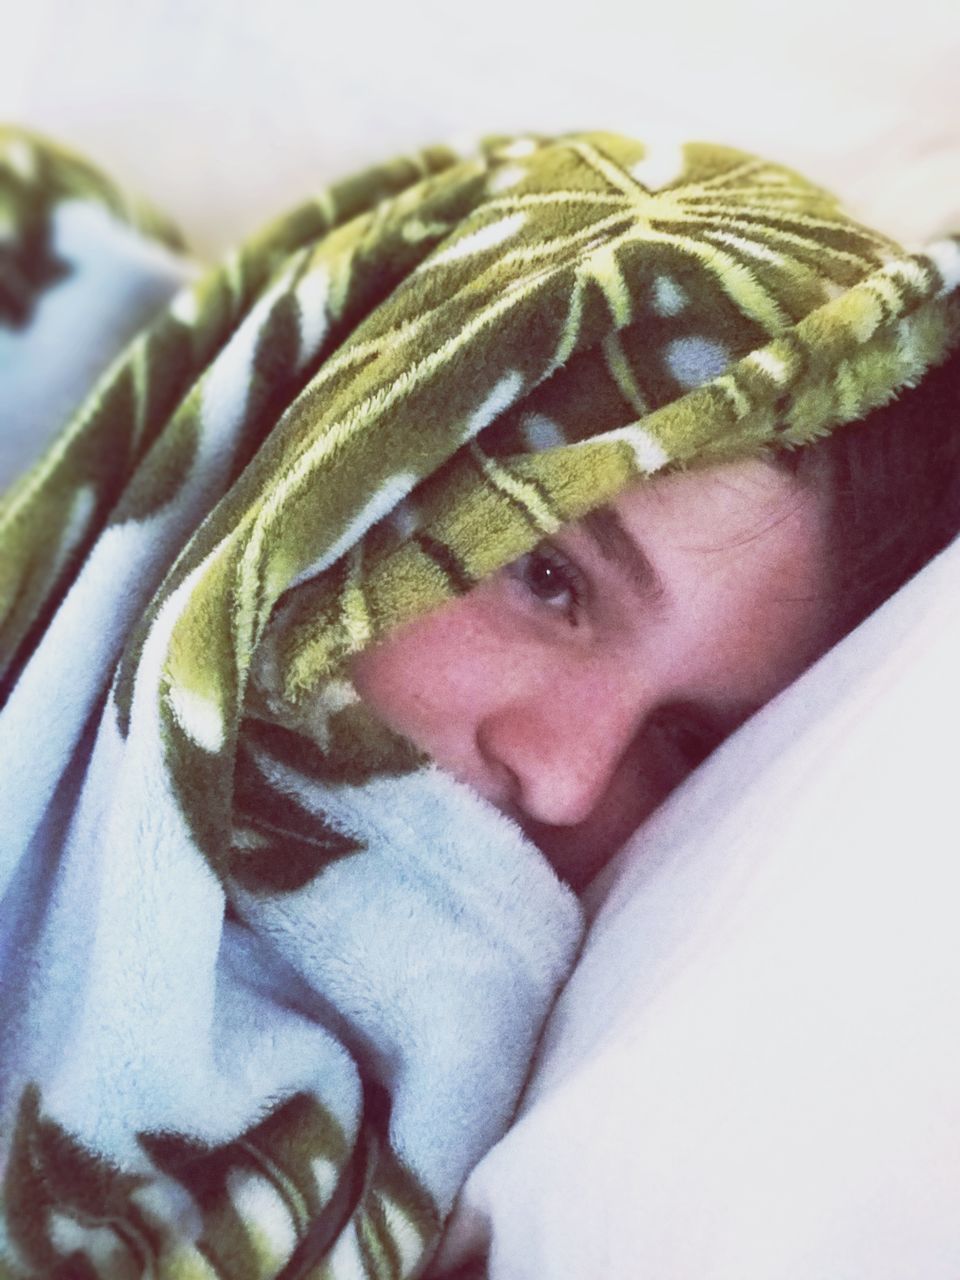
[[609, 534], [616, 545]]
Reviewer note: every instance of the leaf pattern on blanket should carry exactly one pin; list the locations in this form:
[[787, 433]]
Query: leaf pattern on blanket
[[371, 405], [704, 309], [278, 844], [36, 177], [238, 1210]]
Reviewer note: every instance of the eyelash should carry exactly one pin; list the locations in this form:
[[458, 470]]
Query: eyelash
[[568, 578], [690, 737]]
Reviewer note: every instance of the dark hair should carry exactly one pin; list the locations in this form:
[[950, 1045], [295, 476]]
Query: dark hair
[[893, 486]]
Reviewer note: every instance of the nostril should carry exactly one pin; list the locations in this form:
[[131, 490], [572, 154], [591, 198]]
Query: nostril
[[507, 790], [504, 787]]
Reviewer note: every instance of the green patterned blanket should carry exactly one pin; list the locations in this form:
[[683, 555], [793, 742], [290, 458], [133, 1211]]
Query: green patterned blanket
[[270, 981]]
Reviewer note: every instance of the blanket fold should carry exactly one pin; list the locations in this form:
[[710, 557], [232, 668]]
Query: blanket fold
[[270, 981]]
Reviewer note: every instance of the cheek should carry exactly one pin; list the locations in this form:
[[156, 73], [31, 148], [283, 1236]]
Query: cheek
[[754, 626], [641, 782], [769, 644], [424, 680]]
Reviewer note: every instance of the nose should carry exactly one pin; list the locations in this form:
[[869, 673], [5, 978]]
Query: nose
[[558, 749]]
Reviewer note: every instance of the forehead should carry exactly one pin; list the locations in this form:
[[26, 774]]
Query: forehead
[[720, 504]]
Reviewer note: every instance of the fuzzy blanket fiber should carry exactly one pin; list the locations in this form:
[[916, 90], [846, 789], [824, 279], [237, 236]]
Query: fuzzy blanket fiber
[[270, 981]]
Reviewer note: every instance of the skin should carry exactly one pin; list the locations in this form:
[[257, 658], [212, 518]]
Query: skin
[[578, 687]]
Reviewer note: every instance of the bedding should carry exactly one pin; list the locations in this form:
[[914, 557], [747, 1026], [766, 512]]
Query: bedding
[[249, 1024], [753, 1069]]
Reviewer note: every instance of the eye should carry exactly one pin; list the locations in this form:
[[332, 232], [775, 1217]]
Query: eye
[[552, 579]]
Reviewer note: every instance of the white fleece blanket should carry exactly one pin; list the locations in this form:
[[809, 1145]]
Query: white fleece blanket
[[834, 1007], [200, 1080]]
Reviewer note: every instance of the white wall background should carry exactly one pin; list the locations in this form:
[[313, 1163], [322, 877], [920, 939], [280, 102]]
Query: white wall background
[[225, 111]]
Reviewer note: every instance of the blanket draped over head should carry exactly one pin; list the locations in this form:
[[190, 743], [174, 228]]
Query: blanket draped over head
[[271, 981]]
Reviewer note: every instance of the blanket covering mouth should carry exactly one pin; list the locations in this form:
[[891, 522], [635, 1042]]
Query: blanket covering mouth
[[271, 981]]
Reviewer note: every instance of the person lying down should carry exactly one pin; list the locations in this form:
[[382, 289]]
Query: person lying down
[[384, 582]]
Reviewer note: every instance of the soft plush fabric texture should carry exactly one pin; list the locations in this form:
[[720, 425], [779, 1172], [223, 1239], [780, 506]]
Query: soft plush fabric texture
[[272, 981]]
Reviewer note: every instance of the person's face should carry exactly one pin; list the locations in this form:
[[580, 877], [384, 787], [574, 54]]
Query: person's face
[[578, 686]]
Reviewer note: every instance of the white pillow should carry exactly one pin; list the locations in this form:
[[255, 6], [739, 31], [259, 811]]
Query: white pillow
[[754, 1072]]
